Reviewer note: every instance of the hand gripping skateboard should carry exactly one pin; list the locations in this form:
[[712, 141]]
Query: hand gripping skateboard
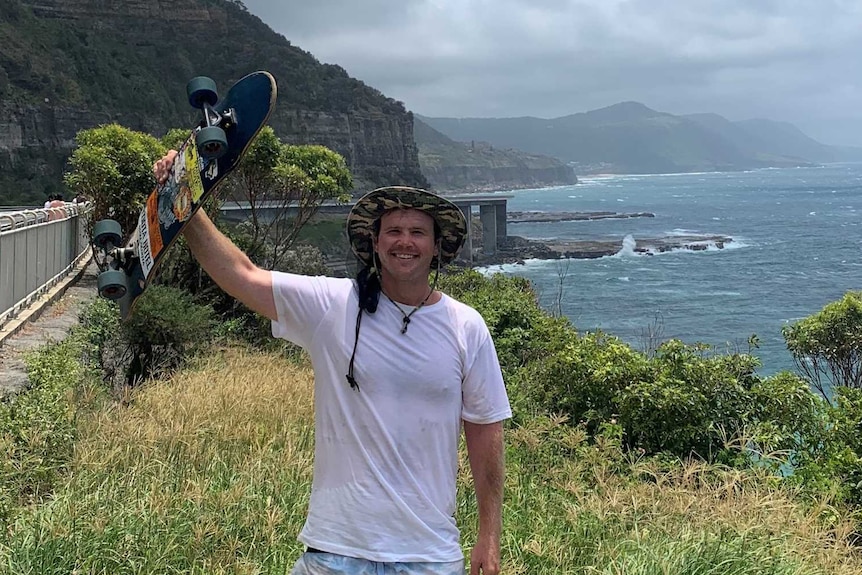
[[210, 153]]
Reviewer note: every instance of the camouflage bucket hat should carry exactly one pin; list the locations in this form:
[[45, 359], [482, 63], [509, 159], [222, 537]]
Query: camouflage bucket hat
[[369, 208]]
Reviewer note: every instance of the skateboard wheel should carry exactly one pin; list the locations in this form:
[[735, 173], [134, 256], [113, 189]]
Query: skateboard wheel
[[112, 284], [107, 234], [212, 142], [202, 90]]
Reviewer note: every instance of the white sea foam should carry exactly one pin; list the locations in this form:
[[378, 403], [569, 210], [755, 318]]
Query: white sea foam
[[683, 232], [628, 249]]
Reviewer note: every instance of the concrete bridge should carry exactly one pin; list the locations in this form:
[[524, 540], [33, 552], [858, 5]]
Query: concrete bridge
[[42, 248], [491, 209]]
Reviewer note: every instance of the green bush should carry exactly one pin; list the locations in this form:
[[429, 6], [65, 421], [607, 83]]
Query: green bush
[[166, 329], [789, 421], [521, 330], [694, 401], [826, 345], [98, 325], [584, 380], [832, 462]]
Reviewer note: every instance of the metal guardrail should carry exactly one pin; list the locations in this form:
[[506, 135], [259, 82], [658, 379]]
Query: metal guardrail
[[38, 248], [16, 208]]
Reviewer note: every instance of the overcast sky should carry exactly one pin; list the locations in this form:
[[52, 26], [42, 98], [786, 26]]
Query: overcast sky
[[793, 60]]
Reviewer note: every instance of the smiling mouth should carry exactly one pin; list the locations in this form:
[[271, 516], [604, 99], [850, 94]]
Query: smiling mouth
[[405, 256]]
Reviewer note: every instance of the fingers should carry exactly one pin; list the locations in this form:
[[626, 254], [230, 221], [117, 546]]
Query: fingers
[[475, 562], [162, 167]]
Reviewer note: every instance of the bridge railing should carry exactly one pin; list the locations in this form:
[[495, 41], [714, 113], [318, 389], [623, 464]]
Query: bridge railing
[[38, 248]]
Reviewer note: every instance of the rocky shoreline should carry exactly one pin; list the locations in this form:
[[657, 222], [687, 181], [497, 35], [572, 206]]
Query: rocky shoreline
[[516, 250], [537, 217]]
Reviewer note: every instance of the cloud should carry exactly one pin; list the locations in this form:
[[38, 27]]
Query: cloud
[[792, 60]]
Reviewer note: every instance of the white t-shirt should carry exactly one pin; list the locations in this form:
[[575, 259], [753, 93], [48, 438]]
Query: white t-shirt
[[385, 457]]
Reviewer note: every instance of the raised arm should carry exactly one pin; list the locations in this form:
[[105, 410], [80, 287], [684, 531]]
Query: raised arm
[[485, 451], [225, 263]]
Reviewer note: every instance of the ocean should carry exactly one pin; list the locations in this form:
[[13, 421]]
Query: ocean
[[797, 245]]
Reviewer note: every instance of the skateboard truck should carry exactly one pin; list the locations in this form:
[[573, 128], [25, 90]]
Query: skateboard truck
[[123, 255], [107, 236], [211, 138]]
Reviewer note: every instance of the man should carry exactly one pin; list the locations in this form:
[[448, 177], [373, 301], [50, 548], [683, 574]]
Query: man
[[57, 207], [395, 378]]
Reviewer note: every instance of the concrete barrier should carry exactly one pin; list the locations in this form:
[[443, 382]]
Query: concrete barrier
[[38, 249]]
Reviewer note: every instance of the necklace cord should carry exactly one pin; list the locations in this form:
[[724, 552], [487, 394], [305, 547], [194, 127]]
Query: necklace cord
[[406, 316]]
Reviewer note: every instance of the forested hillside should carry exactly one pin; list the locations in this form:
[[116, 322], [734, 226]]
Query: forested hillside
[[475, 166], [67, 65], [631, 138]]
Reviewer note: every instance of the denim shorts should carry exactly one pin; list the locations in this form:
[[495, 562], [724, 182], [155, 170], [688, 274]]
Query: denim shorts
[[321, 563]]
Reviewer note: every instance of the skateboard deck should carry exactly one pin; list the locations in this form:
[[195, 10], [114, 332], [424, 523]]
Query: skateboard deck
[[201, 165]]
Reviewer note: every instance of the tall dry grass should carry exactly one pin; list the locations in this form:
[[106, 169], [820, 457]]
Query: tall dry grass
[[210, 473]]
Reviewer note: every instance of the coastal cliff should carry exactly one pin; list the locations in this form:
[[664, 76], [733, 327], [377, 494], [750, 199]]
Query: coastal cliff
[[479, 166], [69, 65]]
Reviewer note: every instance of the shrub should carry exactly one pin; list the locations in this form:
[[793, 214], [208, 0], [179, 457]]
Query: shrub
[[98, 326], [521, 330], [693, 402], [826, 346], [584, 379], [166, 328], [832, 462], [789, 420]]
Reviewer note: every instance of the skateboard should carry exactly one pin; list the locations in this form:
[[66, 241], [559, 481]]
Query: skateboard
[[210, 153]]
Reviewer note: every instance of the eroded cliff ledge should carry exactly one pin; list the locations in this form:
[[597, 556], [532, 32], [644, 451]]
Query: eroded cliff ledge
[[69, 65]]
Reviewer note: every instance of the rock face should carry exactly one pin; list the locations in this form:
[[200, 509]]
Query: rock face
[[76, 64], [379, 148], [478, 166]]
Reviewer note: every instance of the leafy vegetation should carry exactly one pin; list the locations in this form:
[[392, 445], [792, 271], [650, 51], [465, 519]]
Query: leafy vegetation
[[112, 166], [827, 346], [676, 460], [290, 182], [37, 429], [210, 473], [683, 400]]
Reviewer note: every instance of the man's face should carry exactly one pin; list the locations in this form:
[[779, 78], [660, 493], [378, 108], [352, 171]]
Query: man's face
[[405, 245]]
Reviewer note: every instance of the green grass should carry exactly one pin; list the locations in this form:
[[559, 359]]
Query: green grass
[[326, 233], [210, 473]]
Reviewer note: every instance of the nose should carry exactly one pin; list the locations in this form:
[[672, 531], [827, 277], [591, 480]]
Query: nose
[[403, 239]]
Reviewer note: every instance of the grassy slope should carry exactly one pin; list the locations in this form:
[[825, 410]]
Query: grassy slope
[[210, 473]]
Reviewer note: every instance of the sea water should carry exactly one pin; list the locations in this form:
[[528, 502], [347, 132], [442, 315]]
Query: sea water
[[797, 245]]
